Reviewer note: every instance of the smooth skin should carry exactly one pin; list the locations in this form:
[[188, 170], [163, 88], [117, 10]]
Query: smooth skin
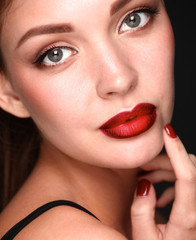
[[110, 68], [182, 221]]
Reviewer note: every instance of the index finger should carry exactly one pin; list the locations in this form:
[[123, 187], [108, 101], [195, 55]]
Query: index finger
[[183, 165], [184, 208]]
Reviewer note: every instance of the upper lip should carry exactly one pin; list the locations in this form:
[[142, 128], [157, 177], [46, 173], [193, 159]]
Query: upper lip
[[126, 116]]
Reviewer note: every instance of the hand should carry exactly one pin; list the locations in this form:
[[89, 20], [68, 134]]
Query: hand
[[156, 171], [182, 220]]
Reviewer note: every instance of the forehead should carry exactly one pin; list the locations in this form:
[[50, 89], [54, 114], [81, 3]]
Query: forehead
[[37, 7], [29, 12], [26, 14], [24, 9]]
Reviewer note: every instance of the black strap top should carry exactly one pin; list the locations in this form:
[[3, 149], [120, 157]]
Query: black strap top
[[19, 226]]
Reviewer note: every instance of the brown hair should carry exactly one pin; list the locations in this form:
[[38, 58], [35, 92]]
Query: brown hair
[[19, 142]]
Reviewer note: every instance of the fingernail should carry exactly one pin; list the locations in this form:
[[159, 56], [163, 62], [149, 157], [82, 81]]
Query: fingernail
[[143, 188], [170, 131]]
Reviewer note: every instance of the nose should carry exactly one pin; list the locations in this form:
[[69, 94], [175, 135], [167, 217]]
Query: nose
[[116, 75]]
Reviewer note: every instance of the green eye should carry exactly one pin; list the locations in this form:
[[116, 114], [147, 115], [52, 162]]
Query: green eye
[[56, 55], [138, 18], [134, 20]]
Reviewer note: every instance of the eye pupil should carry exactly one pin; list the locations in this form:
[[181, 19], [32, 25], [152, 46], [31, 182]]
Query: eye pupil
[[133, 20], [55, 55]]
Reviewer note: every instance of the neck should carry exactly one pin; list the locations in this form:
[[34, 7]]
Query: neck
[[107, 193]]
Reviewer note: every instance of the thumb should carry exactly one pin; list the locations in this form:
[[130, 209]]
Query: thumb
[[143, 212]]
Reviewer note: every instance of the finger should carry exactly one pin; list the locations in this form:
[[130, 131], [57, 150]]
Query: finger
[[143, 212], [184, 208], [159, 176], [183, 164], [166, 197], [160, 162]]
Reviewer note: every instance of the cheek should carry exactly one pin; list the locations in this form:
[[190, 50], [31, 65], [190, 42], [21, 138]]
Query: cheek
[[157, 69], [165, 69], [160, 68], [53, 99]]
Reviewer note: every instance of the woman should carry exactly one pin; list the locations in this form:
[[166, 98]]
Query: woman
[[96, 77]]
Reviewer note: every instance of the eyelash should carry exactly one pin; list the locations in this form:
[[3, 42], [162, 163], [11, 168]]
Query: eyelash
[[152, 11], [40, 59]]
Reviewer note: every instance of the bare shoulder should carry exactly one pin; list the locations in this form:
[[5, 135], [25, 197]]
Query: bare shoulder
[[63, 223]]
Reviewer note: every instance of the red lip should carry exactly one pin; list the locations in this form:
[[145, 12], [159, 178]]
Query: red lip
[[130, 123]]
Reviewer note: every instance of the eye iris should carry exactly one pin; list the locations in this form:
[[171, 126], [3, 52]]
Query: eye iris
[[55, 55], [133, 20]]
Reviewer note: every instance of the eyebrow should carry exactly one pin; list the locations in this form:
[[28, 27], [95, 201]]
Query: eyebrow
[[116, 6], [45, 29], [64, 28]]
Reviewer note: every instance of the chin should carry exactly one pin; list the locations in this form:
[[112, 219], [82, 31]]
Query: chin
[[139, 153], [131, 152]]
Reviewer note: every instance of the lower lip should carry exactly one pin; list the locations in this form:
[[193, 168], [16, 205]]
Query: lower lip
[[143, 118]]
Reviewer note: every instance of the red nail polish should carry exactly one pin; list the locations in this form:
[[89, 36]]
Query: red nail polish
[[143, 188], [170, 131]]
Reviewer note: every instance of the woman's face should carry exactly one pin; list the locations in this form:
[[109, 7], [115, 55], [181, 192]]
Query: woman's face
[[77, 64]]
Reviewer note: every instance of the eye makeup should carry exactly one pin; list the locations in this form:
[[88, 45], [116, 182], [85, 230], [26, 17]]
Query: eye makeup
[[48, 50], [133, 21], [149, 11]]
